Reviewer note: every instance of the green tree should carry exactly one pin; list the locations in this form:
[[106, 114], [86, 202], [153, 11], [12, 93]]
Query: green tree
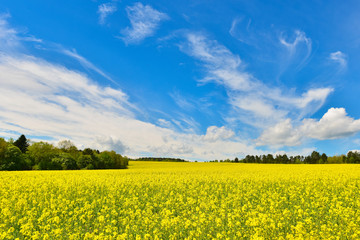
[[3, 146], [13, 159], [323, 158], [353, 157], [270, 158], [336, 159], [41, 155], [314, 157], [105, 160], [22, 143], [65, 161], [85, 162], [67, 146]]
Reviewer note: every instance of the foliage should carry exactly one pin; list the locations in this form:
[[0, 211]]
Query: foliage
[[22, 143], [11, 157], [352, 157], [314, 158], [154, 159], [44, 156]]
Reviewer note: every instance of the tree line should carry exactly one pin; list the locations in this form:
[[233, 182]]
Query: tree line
[[159, 159], [21, 155], [314, 158]]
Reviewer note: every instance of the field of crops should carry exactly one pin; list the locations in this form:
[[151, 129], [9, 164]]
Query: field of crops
[[155, 200]]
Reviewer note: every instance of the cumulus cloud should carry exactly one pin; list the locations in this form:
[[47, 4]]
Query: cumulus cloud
[[333, 125], [340, 58], [111, 144], [144, 21], [214, 133], [105, 10], [172, 149], [282, 134]]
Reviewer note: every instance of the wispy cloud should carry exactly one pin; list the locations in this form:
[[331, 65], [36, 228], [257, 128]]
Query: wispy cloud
[[144, 21], [287, 52], [241, 29], [182, 101], [8, 36], [340, 58], [261, 104], [86, 63], [105, 10], [300, 37], [299, 48]]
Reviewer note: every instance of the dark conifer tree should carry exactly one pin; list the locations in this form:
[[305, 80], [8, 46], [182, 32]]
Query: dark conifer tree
[[22, 143]]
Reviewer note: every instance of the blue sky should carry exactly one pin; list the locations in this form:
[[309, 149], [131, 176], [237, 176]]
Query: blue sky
[[199, 80]]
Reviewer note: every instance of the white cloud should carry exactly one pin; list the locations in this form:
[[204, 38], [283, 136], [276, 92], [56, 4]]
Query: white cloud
[[46, 100], [8, 36], [254, 102], [222, 65], [54, 101], [233, 26], [298, 50], [105, 10], [172, 149], [214, 133], [354, 151], [300, 37], [39, 98], [43, 99], [86, 63], [340, 58], [333, 125], [257, 105], [317, 95], [182, 101], [283, 133], [241, 29], [165, 123], [110, 143], [144, 20]]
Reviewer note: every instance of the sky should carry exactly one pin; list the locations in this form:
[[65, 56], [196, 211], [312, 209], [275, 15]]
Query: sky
[[199, 80]]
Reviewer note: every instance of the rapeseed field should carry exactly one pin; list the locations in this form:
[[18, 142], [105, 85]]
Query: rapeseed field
[[156, 200]]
